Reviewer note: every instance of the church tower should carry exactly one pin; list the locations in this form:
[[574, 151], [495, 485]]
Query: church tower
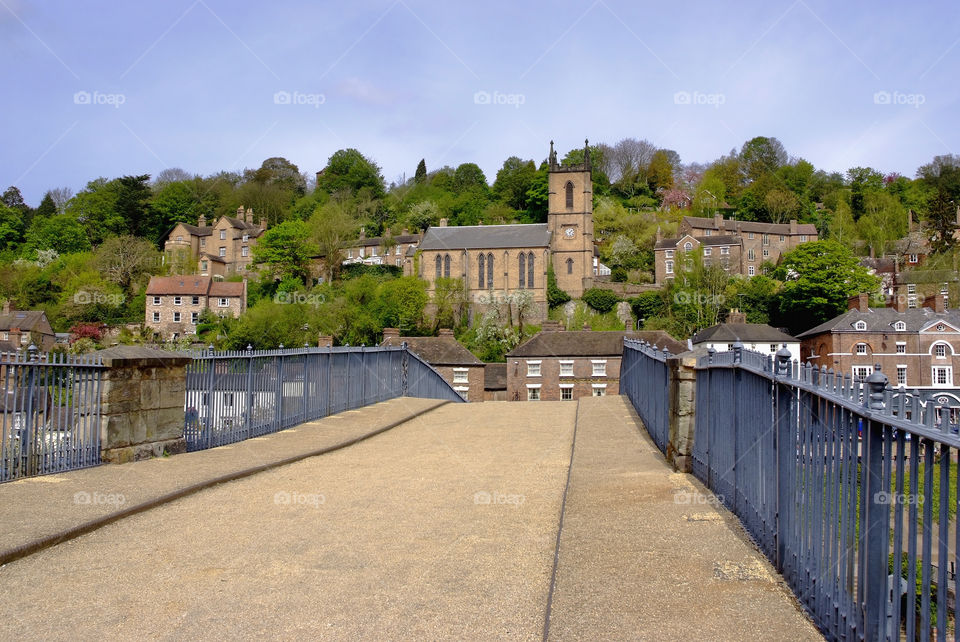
[[570, 220]]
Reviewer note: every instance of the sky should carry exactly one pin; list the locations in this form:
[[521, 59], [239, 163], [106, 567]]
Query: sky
[[125, 88]]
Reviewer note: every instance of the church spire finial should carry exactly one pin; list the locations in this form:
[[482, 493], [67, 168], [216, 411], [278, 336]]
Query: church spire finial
[[552, 159], [586, 153]]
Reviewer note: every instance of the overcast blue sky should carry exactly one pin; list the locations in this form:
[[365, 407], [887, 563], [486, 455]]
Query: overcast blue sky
[[199, 84]]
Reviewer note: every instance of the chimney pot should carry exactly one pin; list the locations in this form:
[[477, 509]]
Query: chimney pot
[[325, 341], [391, 333], [859, 302], [936, 303], [443, 222], [736, 316]]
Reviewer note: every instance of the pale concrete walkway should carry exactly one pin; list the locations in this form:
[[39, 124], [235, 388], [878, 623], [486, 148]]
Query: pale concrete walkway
[[442, 528]]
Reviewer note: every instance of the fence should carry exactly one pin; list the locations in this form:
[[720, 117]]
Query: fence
[[49, 413], [647, 368], [231, 396], [849, 487]]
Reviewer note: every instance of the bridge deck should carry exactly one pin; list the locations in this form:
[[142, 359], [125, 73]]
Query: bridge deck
[[442, 528]]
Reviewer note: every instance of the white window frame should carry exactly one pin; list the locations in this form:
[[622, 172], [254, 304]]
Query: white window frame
[[566, 388], [669, 254], [246, 237], [223, 235], [156, 300], [176, 316], [724, 251], [195, 300], [566, 368], [803, 238], [599, 367], [860, 325], [751, 254], [533, 392], [707, 232], [861, 372], [707, 251], [861, 348], [914, 258], [223, 302], [688, 246], [751, 270], [668, 267], [156, 317], [901, 347], [935, 370], [534, 368], [463, 391], [599, 390], [901, 368], [750, 236], [766, 253], [899, 326], [245, 250], [178, 300], [939, 347], [194, 317], [461, 375]]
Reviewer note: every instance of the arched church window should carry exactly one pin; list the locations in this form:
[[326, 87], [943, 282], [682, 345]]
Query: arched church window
[[438, 266], [482, 271], [490, 270], [529, 270], [523, 270], [569, 191], [569, 266], [446, 266]]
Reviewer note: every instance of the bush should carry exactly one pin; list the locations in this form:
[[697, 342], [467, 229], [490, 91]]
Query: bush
[[648, 305], [600, 300], [555, 296], [353, 270], [619, 275]]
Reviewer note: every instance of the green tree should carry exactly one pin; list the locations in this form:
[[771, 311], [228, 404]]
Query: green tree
[[95, 207], [286, 249], [332, 230], [125, 260], [755, 296], [660, 173], [819, 277], [47, 207], [133, 206], [469, 177], [538, 195], [11, 227], [350, 170], [761, 155], [555, 296], [513, 181], [420, 177], [63, 233], [450, 301]]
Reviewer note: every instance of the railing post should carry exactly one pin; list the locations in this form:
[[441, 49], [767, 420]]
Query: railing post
[[306, 386], [28, 440], [874, 531], [249, 399], [404, 366], [278, 411], [329, 378], [211, 385], [737, 351], [786, 437], [363, 374]]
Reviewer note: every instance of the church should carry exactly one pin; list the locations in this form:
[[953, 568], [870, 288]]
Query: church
[[496, 261]]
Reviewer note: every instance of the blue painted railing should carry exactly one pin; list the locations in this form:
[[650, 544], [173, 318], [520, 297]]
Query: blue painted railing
[[232, 396]]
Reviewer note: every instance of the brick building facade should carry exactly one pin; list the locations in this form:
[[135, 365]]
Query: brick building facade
[[757, 244], [915, 347], [175, 303], [223, 249], [457, 365], [557, 365]]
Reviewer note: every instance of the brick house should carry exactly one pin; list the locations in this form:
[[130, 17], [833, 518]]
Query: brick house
[[495, 382], [457, 365], [758, 242], [174, 303], [382, 250], [20, 328], [223, 249], [758, 337], [671, 255], [915, 347], [559, 365]]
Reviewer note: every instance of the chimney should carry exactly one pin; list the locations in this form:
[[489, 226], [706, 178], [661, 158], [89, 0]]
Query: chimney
[[909, 220], [443, 222], [8, 306], [202, 221], [659, 234], [900, 298], [736, 316], [739, 231], [240, 212], [936, 303], [363, 232], [15, 336], [859, 302], [325, 341], [249, 216], [405, 232], [552, 326], [391, 333], [793, 227], [263, 223], [445, 332], [718, 220]]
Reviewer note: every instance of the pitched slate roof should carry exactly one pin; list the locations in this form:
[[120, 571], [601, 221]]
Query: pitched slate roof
[[726, 239], [26, 320], [251, 228], [477, 237], [586, 343], [195, 230], [437, 351], [749, 332], [226, 288], [377, 241], [190, 285], [882, 320], [495, 376], [750, 226]]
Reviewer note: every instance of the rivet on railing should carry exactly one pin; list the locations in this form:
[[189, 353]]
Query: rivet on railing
[[877, 381], [783, 361], [737, 351]]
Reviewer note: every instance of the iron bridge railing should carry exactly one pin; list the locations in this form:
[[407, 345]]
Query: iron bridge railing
[[232, 396], [849, 486], [49, 413]]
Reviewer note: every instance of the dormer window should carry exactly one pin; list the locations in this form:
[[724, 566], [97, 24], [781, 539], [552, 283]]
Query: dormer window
[[860, 325], [900, 326]]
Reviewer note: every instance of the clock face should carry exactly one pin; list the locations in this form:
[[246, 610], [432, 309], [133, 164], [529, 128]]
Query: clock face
[[569, 232]]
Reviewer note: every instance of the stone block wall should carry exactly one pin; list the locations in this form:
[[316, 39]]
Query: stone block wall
[[141, 403]]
